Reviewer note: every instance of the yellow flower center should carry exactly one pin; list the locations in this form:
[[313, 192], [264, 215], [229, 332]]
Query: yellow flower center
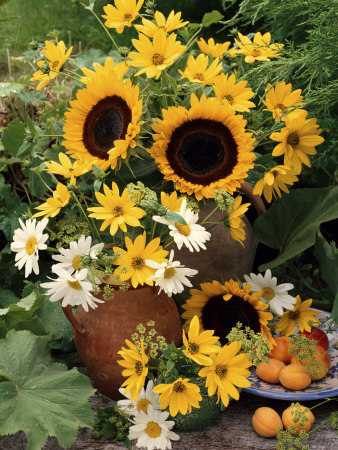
[[138, 367], [193, 348], [117, 211], [293, 139], [170, 272], [268, 293], [293, 315], [76, 262], [221, 370], [30, 245], [230, 99], [142, 405], [75, 285], [199, 76], [280, 106], [137, 263], [127, 17], [157, 59], [179, 387], [256, 52], [183, 229], [153, 429]]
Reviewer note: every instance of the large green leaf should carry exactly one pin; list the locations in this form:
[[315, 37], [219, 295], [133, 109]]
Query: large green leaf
[[291, 224], [11, 208], [41, 398], [13, 136]]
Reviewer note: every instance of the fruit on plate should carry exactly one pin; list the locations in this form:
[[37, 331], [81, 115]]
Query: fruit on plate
[[266, 422], [269, 371], [299, 416], [281, 350], [295, 377], [317, 366], [318, 335]]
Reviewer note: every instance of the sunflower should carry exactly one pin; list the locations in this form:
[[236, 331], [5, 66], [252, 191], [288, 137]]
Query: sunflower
[[56, 56], [53, 205], [103, 120], [297, 140], [203, 149], [66, 168], [199, 346], [219, 308], [301, 314], [155, 56], [274, 181], [132, 263], [280, 99], [259, 49], [180, 395], [227, 370], [116, 211], [135, 363], [197, 70], [173, 22], [171, 201], [236, 95], [122, 15], [236, 224], [215, 50]]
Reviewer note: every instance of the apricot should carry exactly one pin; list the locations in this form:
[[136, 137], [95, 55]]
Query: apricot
[[266, 422], [318, 365], [281, 350], [295, 415], [270, 371], [295, 377]]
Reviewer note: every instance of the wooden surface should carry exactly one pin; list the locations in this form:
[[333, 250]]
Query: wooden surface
[[231, 429]]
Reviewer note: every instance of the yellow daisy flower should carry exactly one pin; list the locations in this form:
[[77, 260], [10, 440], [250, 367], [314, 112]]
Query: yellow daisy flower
[[116, 211], [155, 56], [301, 314], [199, 346], [274, 181], [227, 370], [132, 261], [233, 52], [67, 169], [173, 22], [236, 224], [171, 201], [259, 49], [180, 395], [120, 69], [56, 56], [297, 140], [215, 50], [280, 98], [102, 122], [122, 14], [135, 363], [197, 70], [53, 205], [203, 149], [236, 95]]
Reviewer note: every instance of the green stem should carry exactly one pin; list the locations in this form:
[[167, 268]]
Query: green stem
[[21, 184], [51, 249], [322, 403], [320, 425], [43, 181], [81, 209], [209, 215], [92, 220], [65, 74]]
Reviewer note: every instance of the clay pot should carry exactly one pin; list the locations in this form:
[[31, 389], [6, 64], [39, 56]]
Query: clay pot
[[100, 333], [224, 257]]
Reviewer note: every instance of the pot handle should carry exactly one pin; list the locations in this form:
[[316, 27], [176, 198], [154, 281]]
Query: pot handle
[[69, 314], [247, 189]]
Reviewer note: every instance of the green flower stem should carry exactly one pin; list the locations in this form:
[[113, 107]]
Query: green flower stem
[[92, 220], [171, 241], [74, 74], [322, 403], [43, 181], [51, 249], [209, 215], [81, 209], [320, 425], [21, 184], [65, 74]]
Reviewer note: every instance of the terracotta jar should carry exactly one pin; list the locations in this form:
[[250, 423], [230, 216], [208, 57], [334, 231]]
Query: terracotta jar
[[100, 333]]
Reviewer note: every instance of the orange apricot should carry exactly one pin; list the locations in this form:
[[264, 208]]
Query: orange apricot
[[281, 350], [295, 377], [318, 365], [270, 371], [266, 422], [299, 416]]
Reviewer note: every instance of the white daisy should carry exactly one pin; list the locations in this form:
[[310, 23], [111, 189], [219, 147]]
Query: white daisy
[[70, 257], [72, 289], [152, 430], [191, 235], [171, 276], [147, 397], [276, 296], [27, 241]]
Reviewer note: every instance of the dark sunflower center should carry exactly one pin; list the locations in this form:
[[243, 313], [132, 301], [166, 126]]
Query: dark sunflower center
[[107, 121], [293, 315], [179, 387], [202, 151], [221, 315], [138, 367], [293, 139], [281, 106]]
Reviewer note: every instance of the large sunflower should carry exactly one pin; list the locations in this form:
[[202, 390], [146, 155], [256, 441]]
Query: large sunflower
[[104, 119], [203, 149], [220, 307]]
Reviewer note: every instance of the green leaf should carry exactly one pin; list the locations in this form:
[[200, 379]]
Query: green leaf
[[7, 298], [41, 398], [334, 313], [211, 18], [7, 89], [11, 208], [327, 256], [291, 223], [13, 136], [174, 217]]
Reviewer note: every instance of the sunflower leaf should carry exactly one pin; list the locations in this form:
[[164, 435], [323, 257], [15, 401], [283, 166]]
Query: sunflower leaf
[[211, 18], [174, 217], [41, 398], [292, 222]]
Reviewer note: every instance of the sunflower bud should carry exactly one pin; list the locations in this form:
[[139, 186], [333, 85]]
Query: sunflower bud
[[124, 51]]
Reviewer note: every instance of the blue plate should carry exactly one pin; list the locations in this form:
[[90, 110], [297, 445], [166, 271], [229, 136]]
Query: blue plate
[[326, 387]]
